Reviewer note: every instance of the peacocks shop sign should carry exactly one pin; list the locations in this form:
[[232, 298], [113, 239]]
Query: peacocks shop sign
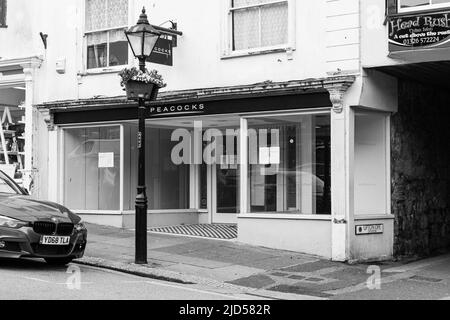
[[419, 32]]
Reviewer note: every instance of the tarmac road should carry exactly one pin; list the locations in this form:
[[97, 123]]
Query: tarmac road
[[35, 280]]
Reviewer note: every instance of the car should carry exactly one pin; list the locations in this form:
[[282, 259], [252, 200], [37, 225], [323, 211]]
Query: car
[[32, 228]]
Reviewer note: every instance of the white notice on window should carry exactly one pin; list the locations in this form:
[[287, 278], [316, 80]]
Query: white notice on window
[[106, 160], [275, 155], [264, 155]]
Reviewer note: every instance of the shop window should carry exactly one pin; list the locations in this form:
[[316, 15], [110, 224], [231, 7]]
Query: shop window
[[2, 13], [289, 164], [92, 168], [106, 42], [414, 5], [168, 184], [259, 24]]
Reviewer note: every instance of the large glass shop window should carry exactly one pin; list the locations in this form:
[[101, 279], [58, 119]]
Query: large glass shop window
[[167, 183], [289, 164], [92, 168]]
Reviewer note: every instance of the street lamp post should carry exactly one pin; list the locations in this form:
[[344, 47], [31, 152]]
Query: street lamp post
[[142, 39]]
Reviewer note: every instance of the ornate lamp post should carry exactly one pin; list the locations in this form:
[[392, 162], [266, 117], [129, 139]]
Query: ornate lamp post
[[142, 39]]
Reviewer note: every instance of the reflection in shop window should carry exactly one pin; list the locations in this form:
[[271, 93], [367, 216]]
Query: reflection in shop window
[[168, 184], [92, 168], [289, 164]]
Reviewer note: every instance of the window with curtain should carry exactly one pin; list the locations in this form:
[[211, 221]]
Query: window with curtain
[[106, 21], [258, 23], [2, 13], [422, 4]]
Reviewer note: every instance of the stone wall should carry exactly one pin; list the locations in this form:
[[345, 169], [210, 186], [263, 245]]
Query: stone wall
[[421, 170]]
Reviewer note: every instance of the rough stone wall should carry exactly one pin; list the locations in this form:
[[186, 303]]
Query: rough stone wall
[[421, 170]]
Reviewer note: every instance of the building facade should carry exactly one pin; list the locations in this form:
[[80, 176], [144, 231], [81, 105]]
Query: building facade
[[279, 116]]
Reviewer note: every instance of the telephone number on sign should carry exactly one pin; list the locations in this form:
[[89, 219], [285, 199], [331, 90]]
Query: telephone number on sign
[[417, 41]]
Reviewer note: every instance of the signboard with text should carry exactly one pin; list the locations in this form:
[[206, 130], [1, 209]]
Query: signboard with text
[[163, 52], [369, 229], [425, 31]]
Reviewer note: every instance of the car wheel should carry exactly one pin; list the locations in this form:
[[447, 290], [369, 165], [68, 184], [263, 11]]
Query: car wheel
[[58, 261]]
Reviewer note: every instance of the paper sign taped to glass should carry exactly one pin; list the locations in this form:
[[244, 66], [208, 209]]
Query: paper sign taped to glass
[[106, 160]]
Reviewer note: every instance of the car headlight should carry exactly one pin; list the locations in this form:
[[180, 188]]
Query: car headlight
[[80, 226], [12, 223]]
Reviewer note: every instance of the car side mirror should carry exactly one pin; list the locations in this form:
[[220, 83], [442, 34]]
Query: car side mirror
[[24, 191]]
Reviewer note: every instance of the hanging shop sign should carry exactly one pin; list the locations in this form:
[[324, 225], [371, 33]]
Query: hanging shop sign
[[163, 52], [369, 229], [408, 33]]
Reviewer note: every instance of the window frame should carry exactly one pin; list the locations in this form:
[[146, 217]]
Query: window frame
[[228, 33], [421, 8], [4, 14], [85, 46]]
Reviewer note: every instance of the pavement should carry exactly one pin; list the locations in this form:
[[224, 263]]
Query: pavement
[[261, 272]]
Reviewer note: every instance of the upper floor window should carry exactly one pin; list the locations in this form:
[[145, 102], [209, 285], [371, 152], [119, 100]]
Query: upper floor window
[[2, 13], [258, 24], [414, 5], [105, 22]]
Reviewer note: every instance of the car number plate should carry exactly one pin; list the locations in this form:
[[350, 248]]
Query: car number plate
[[55, 241]]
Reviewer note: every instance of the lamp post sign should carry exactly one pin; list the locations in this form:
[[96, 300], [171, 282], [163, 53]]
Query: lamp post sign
[[162, 54]]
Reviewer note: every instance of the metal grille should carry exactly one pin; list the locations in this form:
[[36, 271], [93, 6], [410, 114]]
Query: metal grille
[[214, 231], [64, 229], [44, 228]]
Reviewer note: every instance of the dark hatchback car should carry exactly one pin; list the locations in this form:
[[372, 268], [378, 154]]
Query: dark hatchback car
[[37, 229]]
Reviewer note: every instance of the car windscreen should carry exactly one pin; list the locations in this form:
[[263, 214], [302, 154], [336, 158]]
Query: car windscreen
[[7, 185]]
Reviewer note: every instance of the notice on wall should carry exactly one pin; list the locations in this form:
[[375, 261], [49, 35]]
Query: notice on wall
[[106, 160], [275, 155], [369, 229]]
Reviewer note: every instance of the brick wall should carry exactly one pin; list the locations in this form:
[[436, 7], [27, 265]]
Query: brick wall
[[421, 170]]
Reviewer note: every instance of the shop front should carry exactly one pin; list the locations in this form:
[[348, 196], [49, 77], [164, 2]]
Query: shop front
[[270, 160]]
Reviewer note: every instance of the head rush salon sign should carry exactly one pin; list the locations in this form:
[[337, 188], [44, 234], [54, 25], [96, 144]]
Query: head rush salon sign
[[419, 31]]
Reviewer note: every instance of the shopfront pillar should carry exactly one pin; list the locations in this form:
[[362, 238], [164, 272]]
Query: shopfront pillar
[[342, 172], [29, 70]]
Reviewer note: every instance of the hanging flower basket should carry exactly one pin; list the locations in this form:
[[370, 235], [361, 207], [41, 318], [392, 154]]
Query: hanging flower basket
[[141, 90], [141, 84]]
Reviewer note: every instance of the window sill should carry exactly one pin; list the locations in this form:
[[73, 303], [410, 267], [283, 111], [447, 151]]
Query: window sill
[[98, 71], [249, 53], [283, 216]]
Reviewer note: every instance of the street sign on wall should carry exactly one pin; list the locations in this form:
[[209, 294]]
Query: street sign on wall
[[163, 52], [424, 31]]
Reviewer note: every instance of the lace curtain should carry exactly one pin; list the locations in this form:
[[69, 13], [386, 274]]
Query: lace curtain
[[106, 14], [261, 26]]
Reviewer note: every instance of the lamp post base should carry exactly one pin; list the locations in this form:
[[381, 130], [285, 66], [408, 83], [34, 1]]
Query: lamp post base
[[141, 227]]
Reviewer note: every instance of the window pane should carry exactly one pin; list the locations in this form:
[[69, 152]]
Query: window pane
[[274, 26], [260, 26], [88, 184], [242, 3], [117, 13], [97, 50], [413, 3], [289, 164], [440, 1], [95, 15], [118, 48], [246, 29]]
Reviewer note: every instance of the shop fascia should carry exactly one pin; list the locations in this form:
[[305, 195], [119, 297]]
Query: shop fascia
[[221, 146]]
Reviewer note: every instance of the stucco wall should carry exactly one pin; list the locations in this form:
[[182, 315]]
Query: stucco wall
[[421, 170]]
